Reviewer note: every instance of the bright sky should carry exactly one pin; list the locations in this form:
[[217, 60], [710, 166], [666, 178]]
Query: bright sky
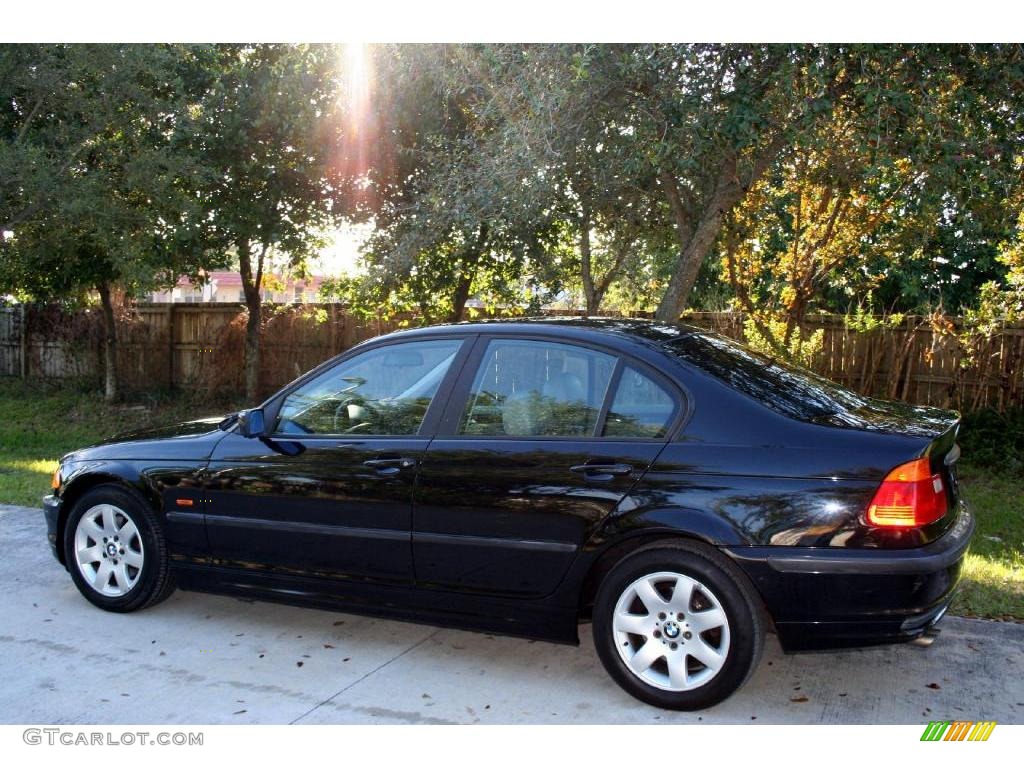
[[341, 256]]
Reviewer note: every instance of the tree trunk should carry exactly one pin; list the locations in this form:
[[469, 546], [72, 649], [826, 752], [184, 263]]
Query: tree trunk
[[729, 190], [590, 297], [460, 297], [696, 246], [109, 344], [470, 262], [251, 285]]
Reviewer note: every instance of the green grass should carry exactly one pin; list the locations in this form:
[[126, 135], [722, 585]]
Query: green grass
[[39, 423], [993, 583]]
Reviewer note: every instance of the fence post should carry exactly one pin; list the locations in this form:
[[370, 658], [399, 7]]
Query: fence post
[[23, 329], [333, 329], [170, 345]]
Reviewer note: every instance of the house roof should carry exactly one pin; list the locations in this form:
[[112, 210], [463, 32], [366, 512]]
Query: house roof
[[229, 279]]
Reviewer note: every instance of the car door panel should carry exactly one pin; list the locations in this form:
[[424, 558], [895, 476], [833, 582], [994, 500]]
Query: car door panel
[[517, 480], [309, 502], [317, 508], [509, 516]]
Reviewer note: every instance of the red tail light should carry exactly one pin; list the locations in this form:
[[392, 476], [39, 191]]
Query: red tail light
[[909, 497]]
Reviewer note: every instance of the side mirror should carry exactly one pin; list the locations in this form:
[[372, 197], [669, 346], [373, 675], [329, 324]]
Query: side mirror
[[251, 422]]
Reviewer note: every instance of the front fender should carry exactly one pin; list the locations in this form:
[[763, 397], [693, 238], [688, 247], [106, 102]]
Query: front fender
[[154, 481]]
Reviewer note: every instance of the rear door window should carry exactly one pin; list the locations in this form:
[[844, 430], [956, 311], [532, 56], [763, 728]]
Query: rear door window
[[529, 388], [641, 407]]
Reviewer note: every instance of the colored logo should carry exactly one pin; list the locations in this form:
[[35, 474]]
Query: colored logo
[[958, 730]]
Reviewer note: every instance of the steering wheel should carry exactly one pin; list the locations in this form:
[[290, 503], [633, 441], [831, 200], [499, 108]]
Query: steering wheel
[[343, 422]]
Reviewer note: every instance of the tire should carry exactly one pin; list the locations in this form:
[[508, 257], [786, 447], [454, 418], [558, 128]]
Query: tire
[[136, 565], [705, 649]]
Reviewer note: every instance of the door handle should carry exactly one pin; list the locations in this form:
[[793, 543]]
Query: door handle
[[602, 472], [390, 466]]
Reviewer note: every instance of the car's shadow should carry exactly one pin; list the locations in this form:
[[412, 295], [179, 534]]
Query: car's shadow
[[468, 677]]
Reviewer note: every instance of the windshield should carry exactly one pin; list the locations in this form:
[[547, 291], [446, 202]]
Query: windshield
[[784, 387]]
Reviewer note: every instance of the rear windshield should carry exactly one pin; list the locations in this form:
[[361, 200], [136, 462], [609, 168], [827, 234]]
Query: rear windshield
[[786, 388]]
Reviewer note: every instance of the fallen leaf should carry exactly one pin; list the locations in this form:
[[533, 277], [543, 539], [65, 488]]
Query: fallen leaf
[[933, 686], [239, 712], [328, 645], [799, 699]]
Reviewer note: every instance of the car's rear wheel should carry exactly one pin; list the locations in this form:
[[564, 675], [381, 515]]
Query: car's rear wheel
[[677, 626], [116, 551]]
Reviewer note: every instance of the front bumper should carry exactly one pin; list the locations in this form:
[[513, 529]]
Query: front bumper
[[51, 511], [822, 598]]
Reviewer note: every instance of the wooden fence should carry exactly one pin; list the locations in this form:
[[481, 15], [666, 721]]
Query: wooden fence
[[200, 347]]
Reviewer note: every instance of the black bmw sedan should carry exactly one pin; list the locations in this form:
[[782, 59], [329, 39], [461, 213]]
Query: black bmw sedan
[[679, 491]]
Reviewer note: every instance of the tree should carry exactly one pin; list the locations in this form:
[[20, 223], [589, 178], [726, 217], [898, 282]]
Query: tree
[[695, 128], [852, 205], [90, 190], [265, 134], [450, 223]]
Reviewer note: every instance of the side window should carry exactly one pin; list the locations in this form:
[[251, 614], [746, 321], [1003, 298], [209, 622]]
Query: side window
[[385, 391], [537, 389], [641, 407]]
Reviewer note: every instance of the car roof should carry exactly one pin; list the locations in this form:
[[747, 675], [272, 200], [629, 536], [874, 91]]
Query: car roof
[[650, 332]]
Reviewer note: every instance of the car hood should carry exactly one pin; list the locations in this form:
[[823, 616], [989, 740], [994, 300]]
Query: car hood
[[187, 440]]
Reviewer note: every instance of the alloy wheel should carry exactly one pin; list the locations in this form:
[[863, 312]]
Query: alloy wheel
[[108, 550], [671, 631]]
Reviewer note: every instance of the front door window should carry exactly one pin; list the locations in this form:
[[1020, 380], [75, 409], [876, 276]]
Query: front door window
[[384, 391]]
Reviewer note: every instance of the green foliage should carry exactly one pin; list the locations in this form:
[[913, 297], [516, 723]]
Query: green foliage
[[780, 179], [262, 135], [769, 337], [864, 319], [89, 174], [994, 440]]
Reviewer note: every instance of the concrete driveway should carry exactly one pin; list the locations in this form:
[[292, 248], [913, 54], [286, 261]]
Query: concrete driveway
[[206, 659]]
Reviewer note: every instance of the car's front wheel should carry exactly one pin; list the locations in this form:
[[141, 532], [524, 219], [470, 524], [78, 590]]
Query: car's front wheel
[[115, 550], [677, 626]]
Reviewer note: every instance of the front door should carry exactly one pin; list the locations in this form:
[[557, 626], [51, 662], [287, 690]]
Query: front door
[[540, 447], [329, 491]]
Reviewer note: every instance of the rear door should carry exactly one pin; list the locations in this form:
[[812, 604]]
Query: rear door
[[540, 441]]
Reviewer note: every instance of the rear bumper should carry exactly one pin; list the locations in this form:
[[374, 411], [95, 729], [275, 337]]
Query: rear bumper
[[51, 511], [822, 598]]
